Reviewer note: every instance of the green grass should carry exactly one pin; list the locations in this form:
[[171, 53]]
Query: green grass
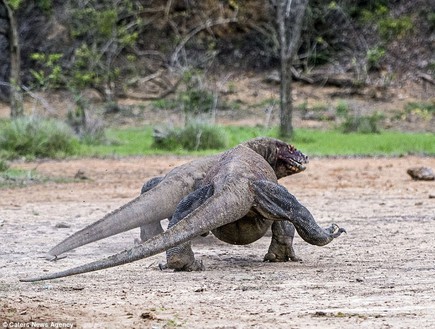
[[138, 141], [124, 142], [386, 143]]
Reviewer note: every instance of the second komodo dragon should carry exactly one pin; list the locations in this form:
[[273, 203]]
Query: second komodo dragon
[[235, 195]]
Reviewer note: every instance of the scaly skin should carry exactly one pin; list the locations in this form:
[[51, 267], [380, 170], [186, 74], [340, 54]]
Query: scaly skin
[[241, 185], [141, 211], [178, 183]]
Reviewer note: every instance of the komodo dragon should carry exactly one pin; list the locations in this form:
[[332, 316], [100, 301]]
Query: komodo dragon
[[238, 200], [147, 210]]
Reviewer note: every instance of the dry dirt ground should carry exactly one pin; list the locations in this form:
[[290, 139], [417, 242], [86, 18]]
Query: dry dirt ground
[[380, 275]]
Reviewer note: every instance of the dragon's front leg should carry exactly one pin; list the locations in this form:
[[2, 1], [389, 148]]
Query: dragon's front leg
[[281, 246], [274, 202]]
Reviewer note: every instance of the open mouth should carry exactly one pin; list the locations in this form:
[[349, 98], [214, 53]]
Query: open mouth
[[301, 161], [296, 164]]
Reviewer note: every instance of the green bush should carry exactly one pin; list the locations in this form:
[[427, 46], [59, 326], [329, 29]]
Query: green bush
[[374, 57], [193, 137], [390, 28], [365, 124], [387, 26], [428, 107], [421, 110], [36, 138], [3, 165], [342, 109], [196, 101]]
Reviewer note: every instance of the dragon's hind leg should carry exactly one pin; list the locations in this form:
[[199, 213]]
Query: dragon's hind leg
[[181, 257], [154, 228], [281, 246]]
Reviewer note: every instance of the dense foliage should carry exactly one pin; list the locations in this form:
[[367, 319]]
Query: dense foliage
[[109, 45], [159, 47]]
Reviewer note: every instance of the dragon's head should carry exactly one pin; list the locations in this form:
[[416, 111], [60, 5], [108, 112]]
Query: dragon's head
[[284, 158], [289, 160]]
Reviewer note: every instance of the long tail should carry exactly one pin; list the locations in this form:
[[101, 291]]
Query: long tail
[[220, 209], [157, 204]]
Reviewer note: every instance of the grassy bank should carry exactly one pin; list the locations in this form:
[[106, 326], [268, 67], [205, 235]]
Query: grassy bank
[[139, 141]]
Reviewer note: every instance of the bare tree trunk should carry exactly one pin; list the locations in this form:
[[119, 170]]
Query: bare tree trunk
[[290, 15], [16, 96], [286, 102]]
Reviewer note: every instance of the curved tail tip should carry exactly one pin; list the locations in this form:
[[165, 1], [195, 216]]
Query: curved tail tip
[[50, 257], [37, 278], [53, 258], [28, 280]]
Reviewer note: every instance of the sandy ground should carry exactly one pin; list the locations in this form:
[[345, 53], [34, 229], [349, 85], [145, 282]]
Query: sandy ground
[[380, 275]]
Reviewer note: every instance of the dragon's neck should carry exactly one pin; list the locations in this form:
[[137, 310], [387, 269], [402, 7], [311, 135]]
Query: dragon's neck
[[264, 146]]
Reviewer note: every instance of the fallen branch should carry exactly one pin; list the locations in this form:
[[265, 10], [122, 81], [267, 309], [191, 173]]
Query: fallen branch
[[427, 78], [171, 89]]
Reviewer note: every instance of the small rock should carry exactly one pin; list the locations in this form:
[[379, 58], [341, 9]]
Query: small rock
[[432, 196], [80, 174], [148, 315], [62, 225], [273, 78], [78, 288], [421, 173]]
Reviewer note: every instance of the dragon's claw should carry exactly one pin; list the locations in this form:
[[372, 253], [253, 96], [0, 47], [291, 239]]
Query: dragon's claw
[[335, 231]]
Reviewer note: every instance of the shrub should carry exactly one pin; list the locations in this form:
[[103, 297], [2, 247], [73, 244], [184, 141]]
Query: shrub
[[374, 57], [193, 137], [196, 101], [366, 124], [3, 165], [428, 107], [390, 28], [342, 109], [36, 137], [420, 110]]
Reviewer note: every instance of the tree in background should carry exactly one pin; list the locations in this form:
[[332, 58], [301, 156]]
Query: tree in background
[[100, 32], [16, 96], [15, 29], [289, 19]]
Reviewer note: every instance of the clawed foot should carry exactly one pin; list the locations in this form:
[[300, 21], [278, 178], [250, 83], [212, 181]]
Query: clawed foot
[[163, 266], [335, 231], [196, 266], [137, 241], [272, 257]]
